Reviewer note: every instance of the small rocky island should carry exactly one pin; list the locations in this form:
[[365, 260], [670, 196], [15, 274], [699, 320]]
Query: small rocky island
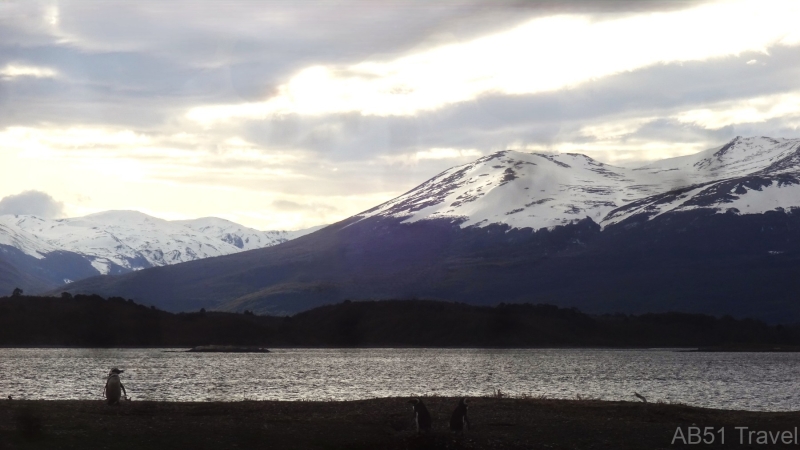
[[226, 349]]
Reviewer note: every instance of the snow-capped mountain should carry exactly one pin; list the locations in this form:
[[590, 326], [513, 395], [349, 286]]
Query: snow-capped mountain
[[745, 176], [713, 233], [239, 236], [536, 190], [122, 241]]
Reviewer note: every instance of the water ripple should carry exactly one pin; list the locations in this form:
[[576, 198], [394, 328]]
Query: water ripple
[[749, 381]]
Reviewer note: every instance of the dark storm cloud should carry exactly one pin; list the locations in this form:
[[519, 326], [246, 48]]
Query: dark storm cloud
[[34, 203]]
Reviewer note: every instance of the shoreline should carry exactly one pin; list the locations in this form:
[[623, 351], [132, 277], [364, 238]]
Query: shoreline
[[296, 347], [498, 423], [268, 349]]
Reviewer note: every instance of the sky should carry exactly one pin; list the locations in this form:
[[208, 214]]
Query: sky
[[284, 115]]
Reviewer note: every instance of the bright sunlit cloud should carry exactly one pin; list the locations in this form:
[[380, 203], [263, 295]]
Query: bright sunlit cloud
[[136, 156], [120, 168], [287, 116], [611, 140], [72, 137], [16, 70], [431, 154], [752, 110], [614, 129], [542, 55]]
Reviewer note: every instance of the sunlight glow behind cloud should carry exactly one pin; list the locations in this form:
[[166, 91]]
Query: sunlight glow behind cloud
[[614, 129], [458, 155], [16, 70], [251, 107], [120, 167], [752, 110], [545, 54], [138, 156]]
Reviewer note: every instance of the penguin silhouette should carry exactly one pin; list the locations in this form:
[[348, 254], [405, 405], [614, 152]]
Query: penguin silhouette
[[459, 420], [114, 387], [421, 415]]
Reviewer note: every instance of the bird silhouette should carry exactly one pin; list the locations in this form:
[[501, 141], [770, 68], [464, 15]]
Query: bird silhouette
[[459, 420], [421, 415], [114, 387]]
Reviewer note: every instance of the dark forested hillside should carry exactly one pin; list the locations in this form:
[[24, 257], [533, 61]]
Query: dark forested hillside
[[91, 321]]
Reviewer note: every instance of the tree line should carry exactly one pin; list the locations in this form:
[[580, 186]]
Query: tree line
[[92, 321]]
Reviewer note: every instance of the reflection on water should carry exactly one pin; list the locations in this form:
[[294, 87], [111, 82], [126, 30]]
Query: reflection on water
[[752, 381]]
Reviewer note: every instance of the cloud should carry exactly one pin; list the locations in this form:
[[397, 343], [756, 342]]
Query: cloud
[[35, 203], [286, 205], [290, 206], [751, 110], [454, 155], [161, 158], [356, 102], [15, 71], [545, 54], [146, 63]]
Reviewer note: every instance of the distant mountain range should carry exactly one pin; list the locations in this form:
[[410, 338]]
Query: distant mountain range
[[716, 232], [45, 253]]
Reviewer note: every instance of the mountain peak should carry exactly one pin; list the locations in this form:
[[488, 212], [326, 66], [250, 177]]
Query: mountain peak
[[124, 240], [540, 190], [516, 188]]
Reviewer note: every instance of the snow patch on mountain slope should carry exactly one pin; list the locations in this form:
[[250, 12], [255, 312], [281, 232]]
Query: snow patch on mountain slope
[[770, 198], [234, 234], [132, 240], [745, 195], [21, 240], [545, 190], [518, 189], [240, 236], [739, 157], [748, 176]]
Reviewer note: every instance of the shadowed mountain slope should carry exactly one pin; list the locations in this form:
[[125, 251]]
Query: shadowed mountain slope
[[683, 262], [726, 240]]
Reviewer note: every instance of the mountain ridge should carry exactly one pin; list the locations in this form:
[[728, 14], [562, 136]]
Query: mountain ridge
[[677, 242], [563, 188], [113, 242]]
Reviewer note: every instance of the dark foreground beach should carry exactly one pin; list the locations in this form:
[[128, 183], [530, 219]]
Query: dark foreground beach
[[499, 423]]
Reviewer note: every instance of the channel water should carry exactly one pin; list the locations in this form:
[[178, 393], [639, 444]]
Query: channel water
[[748, 381]]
